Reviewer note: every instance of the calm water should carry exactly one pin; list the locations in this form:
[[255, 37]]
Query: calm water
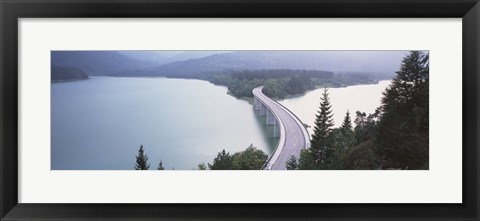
[[100, 123], [364, 98]]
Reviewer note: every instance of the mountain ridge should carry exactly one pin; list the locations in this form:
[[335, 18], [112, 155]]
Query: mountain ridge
[[336, 61]]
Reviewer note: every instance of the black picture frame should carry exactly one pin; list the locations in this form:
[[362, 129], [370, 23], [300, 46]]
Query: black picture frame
[[12, 10]]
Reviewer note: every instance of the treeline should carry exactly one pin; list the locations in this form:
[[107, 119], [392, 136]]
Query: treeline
[[141, 162], [59, 74], [396, 136], [279, 73], [249, 159], [280, 83]]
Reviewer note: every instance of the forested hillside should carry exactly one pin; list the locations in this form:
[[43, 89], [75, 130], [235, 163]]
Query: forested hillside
[[336, 61], [97, 62], [60, 74], [281, 83]]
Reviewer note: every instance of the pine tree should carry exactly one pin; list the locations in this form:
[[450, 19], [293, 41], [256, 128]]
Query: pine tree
[[292, 163], [320, 143], [360, 130], [306, 161], [347, 123], [403, 128], [223, 161], [142, 160], [160, 166]]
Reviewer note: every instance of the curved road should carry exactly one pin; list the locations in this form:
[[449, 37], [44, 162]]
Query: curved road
[[296, 136]]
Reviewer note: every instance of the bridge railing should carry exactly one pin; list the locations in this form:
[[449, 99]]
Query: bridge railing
[[281, 141]]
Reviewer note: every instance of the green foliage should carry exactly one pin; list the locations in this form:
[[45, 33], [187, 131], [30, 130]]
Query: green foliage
[[362, 157], [274, 88], [403, 130], [299, 84], [307, 160], [347, 123], [279, 74], [223, 161], [249, 159], [394, 137], [366, 126], [222, 79], [160, 166], [243, 88], [342, 143], [292, 163], [280, 83], [321, 140], [142, 160], [202, 166]]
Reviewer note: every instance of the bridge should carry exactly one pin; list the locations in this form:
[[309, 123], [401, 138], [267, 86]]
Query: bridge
[[292, 134]]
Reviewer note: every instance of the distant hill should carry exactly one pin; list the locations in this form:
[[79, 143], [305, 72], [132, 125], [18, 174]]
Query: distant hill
[[97, 62], [60, 74], [380, 62], [165, 57]]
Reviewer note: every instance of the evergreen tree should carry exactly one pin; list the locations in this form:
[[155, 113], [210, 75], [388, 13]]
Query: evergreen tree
[[292, 163], [142, 160], [347, 123], [223, 161], [360, 131], [160, 166], [202, 166], [403, 128], [306, 160], [360, 119], [321, 142]]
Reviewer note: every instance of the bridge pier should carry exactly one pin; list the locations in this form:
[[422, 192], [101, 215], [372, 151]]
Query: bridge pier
[[263, 109], [270, 118], [256, 104], [276, 129]]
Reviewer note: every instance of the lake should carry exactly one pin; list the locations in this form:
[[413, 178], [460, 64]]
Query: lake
[[99, 124], [364, 98]]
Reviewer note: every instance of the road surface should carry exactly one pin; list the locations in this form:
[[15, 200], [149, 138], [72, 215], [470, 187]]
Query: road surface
[[295, 135]]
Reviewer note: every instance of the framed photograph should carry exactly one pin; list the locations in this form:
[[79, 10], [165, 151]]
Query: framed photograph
[[255, 110]]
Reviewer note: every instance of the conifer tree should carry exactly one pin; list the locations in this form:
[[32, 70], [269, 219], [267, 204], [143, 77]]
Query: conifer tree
[[343, 140], [142, 160], [160, 166], [223, 161], [306, 161], [320, 143], [347, 123], [292, 163], [403, 128]]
